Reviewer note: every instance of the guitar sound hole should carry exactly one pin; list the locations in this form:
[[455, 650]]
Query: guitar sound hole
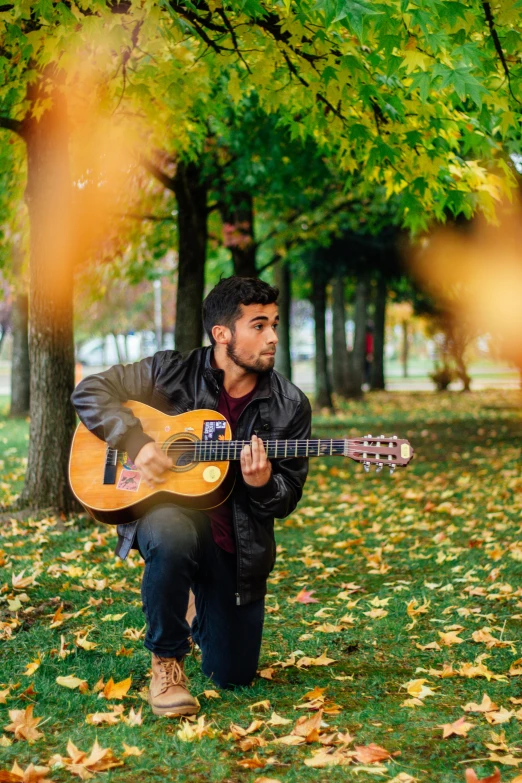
[[180, 457]]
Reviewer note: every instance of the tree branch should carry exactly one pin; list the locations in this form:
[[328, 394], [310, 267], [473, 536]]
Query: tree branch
[[166, 181], [7, 123], [498, 46], [155, 218]]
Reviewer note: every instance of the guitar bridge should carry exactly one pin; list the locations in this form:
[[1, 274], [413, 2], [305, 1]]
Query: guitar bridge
[[111, 459]]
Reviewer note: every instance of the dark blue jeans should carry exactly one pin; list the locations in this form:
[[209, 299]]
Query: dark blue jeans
[[180, 553]]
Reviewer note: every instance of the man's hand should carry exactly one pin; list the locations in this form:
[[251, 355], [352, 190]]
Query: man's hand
[[255, 466], [152, 462]]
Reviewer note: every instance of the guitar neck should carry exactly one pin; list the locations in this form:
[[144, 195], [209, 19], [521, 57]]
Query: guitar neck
[[226, 450]]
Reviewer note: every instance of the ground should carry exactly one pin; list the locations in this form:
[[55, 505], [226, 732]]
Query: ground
[[409, 584]]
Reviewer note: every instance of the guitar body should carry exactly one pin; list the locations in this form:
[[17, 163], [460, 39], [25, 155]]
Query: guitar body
[[190, 484]]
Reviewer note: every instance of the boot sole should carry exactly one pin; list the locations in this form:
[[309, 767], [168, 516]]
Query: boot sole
[[174, 712]]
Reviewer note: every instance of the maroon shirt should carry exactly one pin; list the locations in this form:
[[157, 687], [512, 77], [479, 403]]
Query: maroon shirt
[[221, 517]]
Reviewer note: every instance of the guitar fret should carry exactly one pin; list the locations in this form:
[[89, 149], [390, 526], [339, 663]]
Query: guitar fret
[[275, 455], [286, 447], [331, 447], [307, 448]]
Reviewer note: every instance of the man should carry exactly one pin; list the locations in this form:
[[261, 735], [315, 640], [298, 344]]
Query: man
[[226, 554]]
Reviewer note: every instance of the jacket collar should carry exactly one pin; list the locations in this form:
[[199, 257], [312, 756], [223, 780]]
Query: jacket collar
[[216, 376]]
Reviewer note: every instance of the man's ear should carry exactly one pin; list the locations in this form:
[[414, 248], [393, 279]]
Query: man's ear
[[221, 334]]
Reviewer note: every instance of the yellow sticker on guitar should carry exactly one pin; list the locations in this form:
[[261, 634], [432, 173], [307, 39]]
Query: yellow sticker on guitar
[[405, 451], [211, 474]]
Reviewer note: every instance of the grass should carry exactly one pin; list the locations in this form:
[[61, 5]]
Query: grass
[[443, 536]]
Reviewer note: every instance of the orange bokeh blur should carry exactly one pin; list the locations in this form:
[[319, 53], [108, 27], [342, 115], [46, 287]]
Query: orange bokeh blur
[[476, 271]]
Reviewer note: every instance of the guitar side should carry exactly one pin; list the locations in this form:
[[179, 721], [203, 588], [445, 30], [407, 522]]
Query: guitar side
[[191, 486]]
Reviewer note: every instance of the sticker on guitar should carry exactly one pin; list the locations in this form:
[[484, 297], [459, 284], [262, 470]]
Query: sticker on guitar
[[214, 430], [129, 480]]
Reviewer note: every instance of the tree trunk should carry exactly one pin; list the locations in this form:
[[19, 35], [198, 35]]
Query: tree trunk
[[191, 195], [323, 397], [20, 378], [238, 233], [379, 331], [283, 280], [51, 346], [358, 354], [339, 348], [404, 349]]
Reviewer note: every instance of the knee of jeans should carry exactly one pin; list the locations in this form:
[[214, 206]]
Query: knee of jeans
[[170, 534]]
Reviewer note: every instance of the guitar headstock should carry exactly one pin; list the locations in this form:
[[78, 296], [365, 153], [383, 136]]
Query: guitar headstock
[[380, 450]]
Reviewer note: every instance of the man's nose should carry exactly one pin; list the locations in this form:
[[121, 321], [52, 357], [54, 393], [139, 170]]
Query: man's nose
[[273, 339]]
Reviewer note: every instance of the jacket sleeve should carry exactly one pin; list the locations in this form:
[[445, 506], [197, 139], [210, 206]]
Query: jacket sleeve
[[98, 401], [283, 491]]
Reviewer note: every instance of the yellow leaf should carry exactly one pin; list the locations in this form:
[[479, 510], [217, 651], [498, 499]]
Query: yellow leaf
[[131, 750], [116, 690], [70, 681], [33, 666], [459, 727]]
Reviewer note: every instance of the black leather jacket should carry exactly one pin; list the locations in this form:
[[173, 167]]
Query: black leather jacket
[[175, 383]]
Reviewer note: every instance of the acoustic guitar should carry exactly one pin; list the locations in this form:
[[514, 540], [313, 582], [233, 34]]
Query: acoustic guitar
[[110, 488]]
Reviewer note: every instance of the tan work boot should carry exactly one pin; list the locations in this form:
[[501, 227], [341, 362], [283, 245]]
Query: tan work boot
[[168, 692]]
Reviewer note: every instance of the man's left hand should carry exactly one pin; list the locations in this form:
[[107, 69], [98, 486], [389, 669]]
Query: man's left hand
[[255, 466]]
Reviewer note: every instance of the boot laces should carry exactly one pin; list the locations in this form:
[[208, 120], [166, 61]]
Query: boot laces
[[172, 673]]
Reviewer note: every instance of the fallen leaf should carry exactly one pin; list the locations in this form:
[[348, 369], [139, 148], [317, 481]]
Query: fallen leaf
[[459, 727], [72, 682], [450, 638], [110, 718], [304, 597], [24, 725], [31, 774], [277, 720], [369, 754], [323, 660], [260, 705], [195, 731], [254, 763], [486, 705], [266, 674], [83, 765], [131, 750], [134, 718], [211, 695], [116, 690], [508, 759], [33, 666], [501, 716], [471, 777], [83, 642]]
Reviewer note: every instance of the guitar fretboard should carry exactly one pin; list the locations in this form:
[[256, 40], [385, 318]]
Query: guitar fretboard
[[226, 450]]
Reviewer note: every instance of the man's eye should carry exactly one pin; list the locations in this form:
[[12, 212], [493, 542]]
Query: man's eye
[[275, 326]]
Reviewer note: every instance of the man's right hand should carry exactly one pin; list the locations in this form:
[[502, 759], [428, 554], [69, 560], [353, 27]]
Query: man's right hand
[[152, 462]]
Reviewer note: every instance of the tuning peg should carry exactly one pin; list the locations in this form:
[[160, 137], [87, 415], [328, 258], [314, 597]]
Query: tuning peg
[[366, 466], [378, 467], [392, 470]]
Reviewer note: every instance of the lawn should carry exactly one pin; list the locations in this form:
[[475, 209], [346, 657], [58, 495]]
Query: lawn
[[392, 646]]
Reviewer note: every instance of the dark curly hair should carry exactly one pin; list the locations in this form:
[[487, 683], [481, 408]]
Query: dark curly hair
[[223, 304]]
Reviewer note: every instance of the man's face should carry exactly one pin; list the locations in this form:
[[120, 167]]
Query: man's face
[[254, 338]]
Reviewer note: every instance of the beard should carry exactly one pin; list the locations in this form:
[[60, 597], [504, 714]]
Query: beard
[[259, 365]]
